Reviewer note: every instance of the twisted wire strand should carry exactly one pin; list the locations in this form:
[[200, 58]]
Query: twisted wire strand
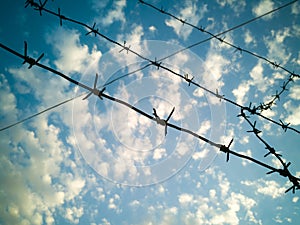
[[225, 149], [158, 63]]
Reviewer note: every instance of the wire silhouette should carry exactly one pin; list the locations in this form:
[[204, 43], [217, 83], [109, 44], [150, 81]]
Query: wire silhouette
[[263, 106], [126, 75], [158, 62], [39, 113], [284, 171]]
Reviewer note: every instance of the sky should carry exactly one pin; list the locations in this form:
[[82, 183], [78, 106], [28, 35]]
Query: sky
[[95, 161]]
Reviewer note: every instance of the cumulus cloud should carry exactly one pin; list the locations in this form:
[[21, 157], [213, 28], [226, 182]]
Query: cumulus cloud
[[248, 38], [258, 80], [236, 5], [277, 50], [293, 111], [295, 92], [115, 14], [267, 187], [263, 7], [72, 55]]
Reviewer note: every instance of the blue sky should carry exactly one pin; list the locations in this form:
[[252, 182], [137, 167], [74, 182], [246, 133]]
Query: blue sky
[[97, 162]]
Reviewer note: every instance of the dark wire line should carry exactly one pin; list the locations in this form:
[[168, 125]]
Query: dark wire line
[[39, 113], [126, 75]]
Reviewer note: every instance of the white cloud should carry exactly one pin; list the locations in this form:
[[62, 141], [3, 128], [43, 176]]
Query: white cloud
[[294, 92], [72, 55], [200, 154], [216, 65], [73, 214], [277, 49], [293, 113], [241, 92], [113, 15], [185, 199], [33, 195], [39, 153], [159, 153], [134, 41], [263, 7], [258, 80], [267, 187], [192, 13], [135, 203], [8, 101], [152, 28], [237, 5], [248, 38], [296, 8], [204, 127]]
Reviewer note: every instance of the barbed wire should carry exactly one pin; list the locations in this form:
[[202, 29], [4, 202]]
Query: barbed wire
[[263, 106], [158, 63], [284, 171]]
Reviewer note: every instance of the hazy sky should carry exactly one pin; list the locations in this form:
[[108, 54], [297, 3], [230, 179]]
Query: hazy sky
[[96, 161]]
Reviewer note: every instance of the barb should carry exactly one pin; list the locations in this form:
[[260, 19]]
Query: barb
[[95, 91], [125, 48], [186, 77], [30, 60], [156, 63], [93, 30], [226, 149], [162, 121], [219, 96]]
